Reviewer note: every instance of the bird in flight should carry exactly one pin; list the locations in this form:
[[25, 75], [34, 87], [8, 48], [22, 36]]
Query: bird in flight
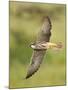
[[40, 46]]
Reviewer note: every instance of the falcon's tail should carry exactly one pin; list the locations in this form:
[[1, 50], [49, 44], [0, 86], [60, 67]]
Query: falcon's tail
[[59, 45]]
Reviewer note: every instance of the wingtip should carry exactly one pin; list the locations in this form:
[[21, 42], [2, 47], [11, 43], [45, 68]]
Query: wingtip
[[47, 18], [27, 77]]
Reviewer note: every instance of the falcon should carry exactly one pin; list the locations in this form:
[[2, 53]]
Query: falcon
[[40, 46]]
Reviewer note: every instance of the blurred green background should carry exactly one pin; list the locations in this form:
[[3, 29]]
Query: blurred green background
[[25, 23]]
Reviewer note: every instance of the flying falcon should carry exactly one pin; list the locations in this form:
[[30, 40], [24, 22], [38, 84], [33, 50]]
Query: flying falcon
[[40, 46]]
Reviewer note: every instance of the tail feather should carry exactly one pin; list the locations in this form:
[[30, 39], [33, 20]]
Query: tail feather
[[59, 45]]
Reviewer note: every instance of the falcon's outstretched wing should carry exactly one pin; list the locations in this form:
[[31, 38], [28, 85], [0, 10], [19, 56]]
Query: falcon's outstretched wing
[[37, 56]]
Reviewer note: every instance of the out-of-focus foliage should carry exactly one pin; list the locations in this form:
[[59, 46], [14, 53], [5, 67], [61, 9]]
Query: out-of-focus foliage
[[25, 23]]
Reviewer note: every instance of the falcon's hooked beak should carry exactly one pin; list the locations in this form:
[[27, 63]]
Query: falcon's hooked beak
[[33, 46]]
